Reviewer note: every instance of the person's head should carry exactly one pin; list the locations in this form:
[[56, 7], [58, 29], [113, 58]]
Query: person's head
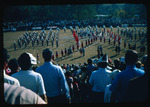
[[68, 73], [102, 64], [117, 63], [131, 57], [26, 60], [138, 64], [13, 65], [5, 58], [85, 64], [103, 61], [89, 61], [83, 68], [47, 54]]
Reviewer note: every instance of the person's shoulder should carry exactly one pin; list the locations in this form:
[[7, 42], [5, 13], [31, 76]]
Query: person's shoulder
[[95, 72], [108, 71], [11, 80], [121, 74], [39, 68], [26, 96], [35, 74], [57, 66], [140, 71]]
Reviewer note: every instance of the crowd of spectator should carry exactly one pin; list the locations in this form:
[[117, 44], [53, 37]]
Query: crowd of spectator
[[100, 81], [107, 21], [96, 81]]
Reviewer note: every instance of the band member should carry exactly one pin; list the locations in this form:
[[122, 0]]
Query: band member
[[109, 40], [62, 52], [38, 58], [66, 52], [124, 44], [82, 44], [73, 48], [56, 55], [15, 46], [57, 43], [104, 39], [47, 41], [86, 43], [100, 38]]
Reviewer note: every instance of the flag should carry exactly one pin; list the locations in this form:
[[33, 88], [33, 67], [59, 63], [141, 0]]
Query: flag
[[74, 33], [75, 37]]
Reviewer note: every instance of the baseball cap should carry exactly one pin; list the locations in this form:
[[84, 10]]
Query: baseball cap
[[33, 59]]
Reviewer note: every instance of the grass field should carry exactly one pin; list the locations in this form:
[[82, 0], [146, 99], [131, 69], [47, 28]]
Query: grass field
[[65, 40]]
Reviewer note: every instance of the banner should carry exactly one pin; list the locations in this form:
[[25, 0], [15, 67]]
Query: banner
[[75, 37]]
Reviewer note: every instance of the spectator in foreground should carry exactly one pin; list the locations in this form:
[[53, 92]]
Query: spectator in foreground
[[116, 69], [14, 93], [99, 79], [27, 77], [138, 87], [56, 86], [90, 68], [8, 79], [120, 83], [14, 66], [20, 95]]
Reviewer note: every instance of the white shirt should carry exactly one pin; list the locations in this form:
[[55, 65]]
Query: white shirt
[[10, 80], [99, 79], [107, 94], [19, 95], [31, 80]]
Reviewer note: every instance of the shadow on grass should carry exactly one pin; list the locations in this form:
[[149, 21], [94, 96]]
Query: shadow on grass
[[110, 47], [113, 56], [94, 57], [76, 58], [106, 46]]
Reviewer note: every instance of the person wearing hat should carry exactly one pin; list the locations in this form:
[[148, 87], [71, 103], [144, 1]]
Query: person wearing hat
[[8, 79], [57, 89], [120, 83], [27, 77], [16, 94], [99, 79]]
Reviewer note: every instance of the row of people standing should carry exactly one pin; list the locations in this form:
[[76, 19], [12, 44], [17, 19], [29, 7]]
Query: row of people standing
[[34, 37], [87, 86]]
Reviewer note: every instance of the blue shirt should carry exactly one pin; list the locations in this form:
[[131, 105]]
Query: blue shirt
[[120, 83], [54, 79]]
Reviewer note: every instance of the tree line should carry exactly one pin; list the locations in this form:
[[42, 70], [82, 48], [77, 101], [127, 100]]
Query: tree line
[[79, 12]]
